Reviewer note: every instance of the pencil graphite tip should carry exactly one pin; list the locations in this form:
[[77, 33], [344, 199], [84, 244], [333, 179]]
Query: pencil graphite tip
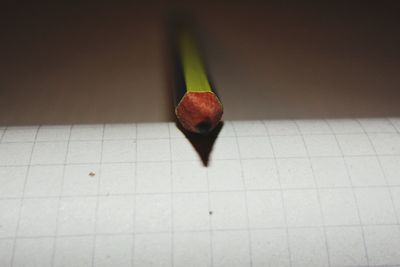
[[203, 127], [199, 112]]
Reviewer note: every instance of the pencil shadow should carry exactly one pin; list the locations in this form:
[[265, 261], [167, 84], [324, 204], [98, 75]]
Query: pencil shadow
[[203, 144]]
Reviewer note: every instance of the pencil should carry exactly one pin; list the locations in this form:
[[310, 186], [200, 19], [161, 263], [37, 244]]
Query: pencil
[[197, 106]]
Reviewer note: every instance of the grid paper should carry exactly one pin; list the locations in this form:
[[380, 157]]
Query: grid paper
[[275, 193]]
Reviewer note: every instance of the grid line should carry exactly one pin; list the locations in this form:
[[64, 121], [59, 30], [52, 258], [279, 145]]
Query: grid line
[[134, 207], [245, 197], [283, 203], [357, 206], [397, 132], [211, 247], [2, 134], [171, 197], [59, 201], [220, 230], [191, 160], [22, 201], [200, 192], [97, 199], [318, 196], [384, 176]]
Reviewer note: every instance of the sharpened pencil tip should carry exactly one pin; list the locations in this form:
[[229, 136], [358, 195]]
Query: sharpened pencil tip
[[199, 112], [204, 127]]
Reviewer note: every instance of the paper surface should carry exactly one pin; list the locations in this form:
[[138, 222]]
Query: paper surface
[[275, 193]]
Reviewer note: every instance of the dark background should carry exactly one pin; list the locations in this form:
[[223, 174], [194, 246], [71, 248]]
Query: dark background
[[96, 63]]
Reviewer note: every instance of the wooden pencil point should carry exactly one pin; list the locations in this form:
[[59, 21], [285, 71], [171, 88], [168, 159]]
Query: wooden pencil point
[[199, 112]]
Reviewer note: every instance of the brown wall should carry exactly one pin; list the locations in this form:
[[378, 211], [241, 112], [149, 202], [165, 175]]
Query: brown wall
[[95, 63]]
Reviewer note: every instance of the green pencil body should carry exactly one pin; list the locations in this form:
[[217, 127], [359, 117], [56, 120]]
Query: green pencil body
[[197, 106]]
